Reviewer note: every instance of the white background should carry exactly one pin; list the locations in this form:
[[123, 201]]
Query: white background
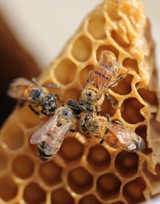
[[44, 26]]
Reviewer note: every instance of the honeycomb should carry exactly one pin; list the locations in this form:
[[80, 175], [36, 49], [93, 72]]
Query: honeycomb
[[84, 171]]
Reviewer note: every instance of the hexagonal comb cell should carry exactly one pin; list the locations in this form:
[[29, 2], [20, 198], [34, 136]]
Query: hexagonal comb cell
[[108, 186], [8, 188], [71, 150], [130, 111], [61, 196], [126, 163], [65, 66], [98, 158], [33, 193], [96, 25], [133, 190], [89, 199], [23, 166], [119, 40], [80, 180], [124, 86], [82, 43], [50, 173], [16, 133], [130, 64]]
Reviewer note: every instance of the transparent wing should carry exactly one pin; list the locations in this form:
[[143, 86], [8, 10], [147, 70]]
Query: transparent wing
[[55, 139], [40, 134], [51, 135], [128, 139], [18, 86]]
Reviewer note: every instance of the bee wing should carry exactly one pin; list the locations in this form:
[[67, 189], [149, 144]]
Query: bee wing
[[55, 139], [39, 135], [126, 136], [18, 86], [51, 134]]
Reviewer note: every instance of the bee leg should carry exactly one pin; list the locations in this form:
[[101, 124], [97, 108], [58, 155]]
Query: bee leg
[[108, 117], [45, 113], [34, 81], [57, 97], [110, 100], [31, 107], [71, 130], [119, 78], [51, 86], [74, 131], [101, 141], [98, 110], [21, 103], [118, 122]]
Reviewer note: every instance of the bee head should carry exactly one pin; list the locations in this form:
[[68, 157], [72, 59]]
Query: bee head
[[37, 94], [74, 107]]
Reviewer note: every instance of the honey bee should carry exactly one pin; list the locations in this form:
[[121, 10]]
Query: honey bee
[[37, 96], [91, 99], [104, 76], [49, 137], [114, 133]]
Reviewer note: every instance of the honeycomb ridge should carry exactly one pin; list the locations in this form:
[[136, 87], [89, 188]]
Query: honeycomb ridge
[[83, 171]]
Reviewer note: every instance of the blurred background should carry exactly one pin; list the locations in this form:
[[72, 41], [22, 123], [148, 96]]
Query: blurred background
[[43, 27]]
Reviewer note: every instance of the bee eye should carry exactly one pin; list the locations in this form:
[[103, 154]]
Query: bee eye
[[89, 94], [65, 112], [37, 94]]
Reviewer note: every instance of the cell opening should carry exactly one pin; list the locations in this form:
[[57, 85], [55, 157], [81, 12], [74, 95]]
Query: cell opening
[[65, 71], [82, 49], [112, 11], [124, 86], [13, 136], [89, 199], [133, 190], [127, 163], [96, 25], [153, 178], [23, 166], [108, 186], [119, 40], [50, 173], [98, 158], [71, 149], [8, 188], [149, 96], [130, 63], [130, 111], [33, 193], [61, 196], [80, 180]]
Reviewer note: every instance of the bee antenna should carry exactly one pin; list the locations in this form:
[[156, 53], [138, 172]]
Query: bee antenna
[[34, 81]]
